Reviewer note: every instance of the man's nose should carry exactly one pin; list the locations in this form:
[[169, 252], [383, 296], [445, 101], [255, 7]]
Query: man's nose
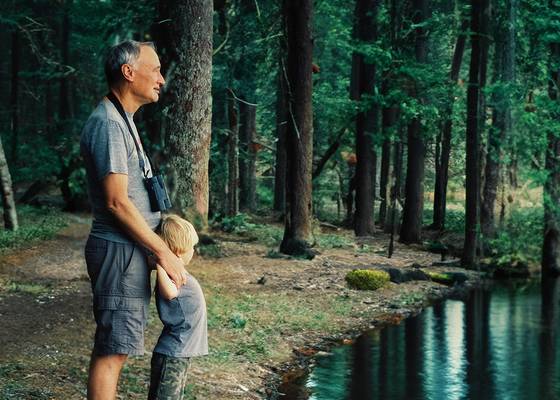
[[161, 80]]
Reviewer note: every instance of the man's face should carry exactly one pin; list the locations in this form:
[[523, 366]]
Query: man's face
[[148, 80]]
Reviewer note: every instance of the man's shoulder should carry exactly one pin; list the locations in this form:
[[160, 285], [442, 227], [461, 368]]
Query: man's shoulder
[[103, 118]]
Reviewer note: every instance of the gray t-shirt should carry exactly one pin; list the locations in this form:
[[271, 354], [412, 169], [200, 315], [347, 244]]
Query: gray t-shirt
[[185, 331], [107, 147]]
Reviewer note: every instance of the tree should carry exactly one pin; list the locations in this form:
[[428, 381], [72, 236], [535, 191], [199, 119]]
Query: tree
[[551, 196], [232, 201], [478, 9], [189, 130], [281, 124], [443, 155], [504, 75], [10, 215], [411, 228], [298, 23], [363, 85]]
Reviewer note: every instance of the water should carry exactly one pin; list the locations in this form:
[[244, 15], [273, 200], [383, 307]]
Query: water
[[501, 343]]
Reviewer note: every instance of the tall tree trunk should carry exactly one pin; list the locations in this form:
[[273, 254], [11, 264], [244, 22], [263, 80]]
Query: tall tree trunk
[[232, 201], [550, 262], [478, 8], [247, 156], [299, 22], [14, 104], [389, 120], [10, 215], [365, 30], [504, 61], [281, 124], [411, 228], [442, 173], [189, 130]]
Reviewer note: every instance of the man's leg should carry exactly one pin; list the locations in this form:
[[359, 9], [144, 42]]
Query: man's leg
[[104, 372]]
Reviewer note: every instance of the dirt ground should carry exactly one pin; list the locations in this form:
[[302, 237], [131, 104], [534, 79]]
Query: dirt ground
[[46, 328]]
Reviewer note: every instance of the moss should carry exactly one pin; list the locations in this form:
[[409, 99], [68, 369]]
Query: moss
[[442, 278], [367, 279]]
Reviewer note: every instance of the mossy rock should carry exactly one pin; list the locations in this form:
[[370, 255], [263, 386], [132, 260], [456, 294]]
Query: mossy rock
[[367, 279]]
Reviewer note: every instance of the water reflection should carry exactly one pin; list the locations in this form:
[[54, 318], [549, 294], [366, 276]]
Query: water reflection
[[498, 344]]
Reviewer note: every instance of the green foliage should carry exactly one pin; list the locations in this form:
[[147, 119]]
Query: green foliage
[[333, 241], [366, 279], [36, 223], [520, 239], [236, 224]]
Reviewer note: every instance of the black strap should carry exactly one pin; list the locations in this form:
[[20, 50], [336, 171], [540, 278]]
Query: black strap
[[111, 96]]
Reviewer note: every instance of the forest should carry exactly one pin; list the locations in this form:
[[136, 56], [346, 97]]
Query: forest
[[425, 125]]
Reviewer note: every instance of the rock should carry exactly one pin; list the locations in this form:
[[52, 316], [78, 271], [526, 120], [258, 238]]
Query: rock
[[262, 280]]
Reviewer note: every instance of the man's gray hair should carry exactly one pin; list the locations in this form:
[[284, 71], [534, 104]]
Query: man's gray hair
[[126, 52]]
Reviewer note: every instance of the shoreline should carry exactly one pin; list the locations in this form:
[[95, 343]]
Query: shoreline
[[286, 375]]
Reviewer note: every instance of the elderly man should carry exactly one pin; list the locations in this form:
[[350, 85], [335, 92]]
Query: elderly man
[[123, 221]]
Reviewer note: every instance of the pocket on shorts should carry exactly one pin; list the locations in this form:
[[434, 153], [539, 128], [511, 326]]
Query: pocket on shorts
[[120, 320], [95, 253]]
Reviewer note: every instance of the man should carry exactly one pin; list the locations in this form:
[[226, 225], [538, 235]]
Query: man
[[123, 222]]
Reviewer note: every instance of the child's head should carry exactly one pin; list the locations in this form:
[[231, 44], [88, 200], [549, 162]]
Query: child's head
[[179, 235]]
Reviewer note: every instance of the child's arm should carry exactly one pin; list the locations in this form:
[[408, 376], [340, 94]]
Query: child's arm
[[166, 286]]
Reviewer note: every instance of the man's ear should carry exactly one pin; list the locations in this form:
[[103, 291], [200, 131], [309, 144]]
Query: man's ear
[[127, 72]]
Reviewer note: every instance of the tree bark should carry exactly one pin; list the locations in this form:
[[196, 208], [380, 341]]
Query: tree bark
[[504, 61], [442, 171], [478, 8], [281, 124], [232, 200], [411, 228], [298, 22], [389, 120], [14, 95], [365, 31], [189, 130], [550, 263], [10, 215], [247, 156]]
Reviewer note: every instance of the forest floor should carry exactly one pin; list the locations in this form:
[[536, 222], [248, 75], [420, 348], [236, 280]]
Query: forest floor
[[267, 314]]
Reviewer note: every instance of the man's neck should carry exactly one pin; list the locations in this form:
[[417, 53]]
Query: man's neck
[[126, 99]]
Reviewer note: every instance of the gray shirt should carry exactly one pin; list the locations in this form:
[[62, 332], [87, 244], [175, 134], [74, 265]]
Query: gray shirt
[[108, 147], [185, 331]]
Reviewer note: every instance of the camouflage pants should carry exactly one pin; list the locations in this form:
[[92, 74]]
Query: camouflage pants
[[168, 377]]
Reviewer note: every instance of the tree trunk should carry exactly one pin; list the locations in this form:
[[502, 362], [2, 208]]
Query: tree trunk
[[411, 228], [10, 215], [389, 120], [189, 130], [442, 173], [478, 8], [550, 262], [232, 203], [504, 61], [247, 156], [281, 124], [298, 22], [14, 104], [365, 30]]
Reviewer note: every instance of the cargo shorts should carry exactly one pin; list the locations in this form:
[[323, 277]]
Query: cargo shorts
[[120, 282]]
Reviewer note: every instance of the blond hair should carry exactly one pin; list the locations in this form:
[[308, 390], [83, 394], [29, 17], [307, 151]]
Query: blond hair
[[178, 233]]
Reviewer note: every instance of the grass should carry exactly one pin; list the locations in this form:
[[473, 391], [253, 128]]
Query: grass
[[34, 289], [35, 224], [249, 327]]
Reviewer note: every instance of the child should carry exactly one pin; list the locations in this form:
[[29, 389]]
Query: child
[[183, 313]]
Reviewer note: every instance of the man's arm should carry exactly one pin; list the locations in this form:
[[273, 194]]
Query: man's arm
[[119, 205]]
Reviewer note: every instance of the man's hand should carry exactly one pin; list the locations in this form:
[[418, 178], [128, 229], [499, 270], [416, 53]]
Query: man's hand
[[174, 267], [132, 222]]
